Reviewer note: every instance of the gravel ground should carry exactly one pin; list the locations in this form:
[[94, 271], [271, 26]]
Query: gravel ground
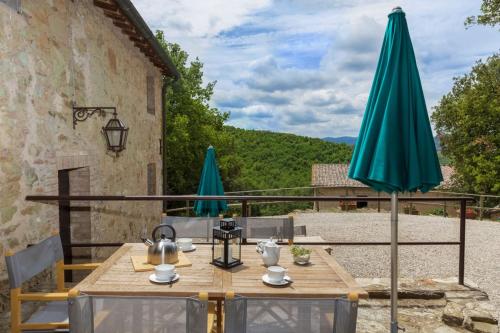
[[482, 253]]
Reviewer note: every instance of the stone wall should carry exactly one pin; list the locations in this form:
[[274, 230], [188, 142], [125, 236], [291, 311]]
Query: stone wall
[[417, 207], [51, 54]]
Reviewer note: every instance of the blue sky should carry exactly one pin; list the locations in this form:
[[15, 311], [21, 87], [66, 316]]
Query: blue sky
[[306, 66]]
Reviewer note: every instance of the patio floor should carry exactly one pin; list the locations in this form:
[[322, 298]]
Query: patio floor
[[481, 255]]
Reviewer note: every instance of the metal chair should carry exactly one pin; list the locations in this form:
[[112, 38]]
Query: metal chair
[[291, 315], [267, 227], [300, 230], [24, 265], [148, 314], [191, 227]]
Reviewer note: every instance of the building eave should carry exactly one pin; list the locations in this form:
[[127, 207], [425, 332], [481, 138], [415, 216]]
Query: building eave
[[126, 17]]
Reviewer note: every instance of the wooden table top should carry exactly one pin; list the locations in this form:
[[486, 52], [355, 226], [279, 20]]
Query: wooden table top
[[324, 277]]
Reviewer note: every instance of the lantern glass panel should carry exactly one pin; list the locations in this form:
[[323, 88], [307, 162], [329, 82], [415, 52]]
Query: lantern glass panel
[[116, 135], [235, 250], [219, 250]]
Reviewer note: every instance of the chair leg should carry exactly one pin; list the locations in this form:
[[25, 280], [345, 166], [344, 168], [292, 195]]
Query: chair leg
[[15, 310], [219, 316]]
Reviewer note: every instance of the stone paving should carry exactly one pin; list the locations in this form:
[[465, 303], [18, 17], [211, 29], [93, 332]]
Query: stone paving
[[427, 306], [482, 252]]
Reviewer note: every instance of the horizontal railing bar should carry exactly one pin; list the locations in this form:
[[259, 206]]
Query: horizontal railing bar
[[95, 244], [375, 243], [285, 243], [229, 198]]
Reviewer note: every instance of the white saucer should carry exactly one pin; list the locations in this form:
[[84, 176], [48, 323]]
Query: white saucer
[[193, 247], [283, 282], [153, 278]]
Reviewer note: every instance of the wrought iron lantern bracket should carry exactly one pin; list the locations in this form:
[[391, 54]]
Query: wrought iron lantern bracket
[[83, 113]]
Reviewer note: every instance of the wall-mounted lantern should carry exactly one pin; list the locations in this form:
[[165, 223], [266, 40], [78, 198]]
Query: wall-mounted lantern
[[115, 132]]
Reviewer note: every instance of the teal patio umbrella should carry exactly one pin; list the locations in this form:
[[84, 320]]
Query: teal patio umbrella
[[395, 149], [210, 184]]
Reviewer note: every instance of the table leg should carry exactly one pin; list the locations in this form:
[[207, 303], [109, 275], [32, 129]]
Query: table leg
[[219, 316]]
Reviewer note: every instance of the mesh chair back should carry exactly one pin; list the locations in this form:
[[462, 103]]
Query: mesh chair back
[[266, 227], [280, 315], [199, 228], [27, 263], [104, 314], [300, 230]]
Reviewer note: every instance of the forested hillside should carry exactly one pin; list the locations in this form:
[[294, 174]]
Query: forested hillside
[[277, 160]]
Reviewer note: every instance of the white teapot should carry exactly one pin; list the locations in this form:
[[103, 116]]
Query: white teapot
[[270, 252]]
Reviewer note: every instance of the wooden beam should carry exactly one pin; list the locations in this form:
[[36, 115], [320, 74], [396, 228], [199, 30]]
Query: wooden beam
[[123, 24], [138, 39], [115, 15], [105, 5]]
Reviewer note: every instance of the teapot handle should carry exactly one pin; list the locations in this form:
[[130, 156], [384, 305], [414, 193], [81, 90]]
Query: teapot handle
[[162, 226]]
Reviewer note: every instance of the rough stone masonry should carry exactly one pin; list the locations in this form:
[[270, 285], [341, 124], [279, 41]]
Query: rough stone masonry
[[54, 53]]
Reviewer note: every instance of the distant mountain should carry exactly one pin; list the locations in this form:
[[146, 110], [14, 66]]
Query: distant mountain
[[350, 140]]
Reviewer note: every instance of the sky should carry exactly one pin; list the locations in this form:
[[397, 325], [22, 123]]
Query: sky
[[306, 66]]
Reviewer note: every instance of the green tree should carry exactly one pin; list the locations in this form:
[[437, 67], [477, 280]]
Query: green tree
[[467, 121], [490, 14], [192, 125]]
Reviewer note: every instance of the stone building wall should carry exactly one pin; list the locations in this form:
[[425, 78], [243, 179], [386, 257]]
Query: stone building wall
[[51, 54]]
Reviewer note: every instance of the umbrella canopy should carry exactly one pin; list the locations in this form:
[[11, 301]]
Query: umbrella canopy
[[210, 184], [395, 150]]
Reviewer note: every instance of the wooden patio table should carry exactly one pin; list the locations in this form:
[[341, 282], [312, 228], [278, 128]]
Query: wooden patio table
[[322, 278]]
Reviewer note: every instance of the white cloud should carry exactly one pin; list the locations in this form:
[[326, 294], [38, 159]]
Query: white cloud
[[306, 66]]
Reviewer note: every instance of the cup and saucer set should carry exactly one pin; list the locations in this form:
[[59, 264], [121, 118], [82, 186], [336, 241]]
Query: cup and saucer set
[[186, 244], [164, 273], [276, 276]]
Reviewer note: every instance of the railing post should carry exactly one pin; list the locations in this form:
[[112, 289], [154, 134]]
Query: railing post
[[187, 208], [316, 203], [481, 207], [65, 221], [244, 205], [461, 260]]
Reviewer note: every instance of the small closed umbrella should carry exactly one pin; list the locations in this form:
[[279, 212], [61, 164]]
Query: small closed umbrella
[[395, 149], [210, 184]]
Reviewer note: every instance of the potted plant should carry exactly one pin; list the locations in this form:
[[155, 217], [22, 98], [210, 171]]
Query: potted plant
[[300, 254]]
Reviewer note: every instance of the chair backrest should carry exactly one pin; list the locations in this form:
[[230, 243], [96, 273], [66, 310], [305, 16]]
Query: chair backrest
[[27, 263], [300, 230], [191, 227], [266, 227], [104, 314], [258, 315]]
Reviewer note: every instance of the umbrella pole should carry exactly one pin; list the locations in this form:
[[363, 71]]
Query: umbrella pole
[[394, 262]]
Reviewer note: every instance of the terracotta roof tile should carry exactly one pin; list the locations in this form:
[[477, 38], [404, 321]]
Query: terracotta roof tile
[[335, 175]]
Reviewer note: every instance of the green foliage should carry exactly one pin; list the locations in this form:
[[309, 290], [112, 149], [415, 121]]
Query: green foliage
[[278, 160], [467, 121], [192, 125], [490, 14]]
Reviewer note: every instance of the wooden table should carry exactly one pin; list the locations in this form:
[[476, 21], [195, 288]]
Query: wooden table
[[324, 277]]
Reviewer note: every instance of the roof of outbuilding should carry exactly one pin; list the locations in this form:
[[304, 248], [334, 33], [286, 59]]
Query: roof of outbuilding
[[126, 17], [335, 175]]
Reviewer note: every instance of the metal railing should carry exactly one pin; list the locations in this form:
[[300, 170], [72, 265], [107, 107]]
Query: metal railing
[[65, 230]]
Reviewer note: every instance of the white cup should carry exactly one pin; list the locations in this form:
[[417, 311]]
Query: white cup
[[276, 273], [185, 243], [165, 272]]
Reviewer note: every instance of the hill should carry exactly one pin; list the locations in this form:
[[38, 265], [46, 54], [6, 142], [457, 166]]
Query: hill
[[350, 140], [277, 160]]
